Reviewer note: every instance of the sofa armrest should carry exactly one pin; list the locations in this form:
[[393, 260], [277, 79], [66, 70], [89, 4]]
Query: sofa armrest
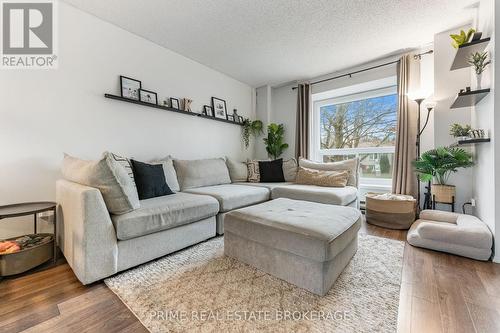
[[86, 234]]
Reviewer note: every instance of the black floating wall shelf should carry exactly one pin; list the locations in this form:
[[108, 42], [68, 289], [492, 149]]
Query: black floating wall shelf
[[470, 142], [469, 98], [464, 51], [166, 108]]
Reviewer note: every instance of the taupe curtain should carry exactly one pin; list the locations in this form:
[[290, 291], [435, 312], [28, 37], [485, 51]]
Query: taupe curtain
[[404, 179], [303, 119]]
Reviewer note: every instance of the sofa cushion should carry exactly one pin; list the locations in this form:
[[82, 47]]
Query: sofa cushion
[[351, 165], [328, 195], [163, 213], [290, 169], [108, 176], [253, 171], [308, 176], [271, 171], [232, 196], [238, 171], [199, 173], [170, 175], [266, 185], [150, 180]]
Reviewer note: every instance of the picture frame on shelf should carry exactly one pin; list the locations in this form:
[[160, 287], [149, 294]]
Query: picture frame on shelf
[[208, 110], [230, 117], [241, 119], [174, 103], [147, 96], [129, 88], [219, 108]]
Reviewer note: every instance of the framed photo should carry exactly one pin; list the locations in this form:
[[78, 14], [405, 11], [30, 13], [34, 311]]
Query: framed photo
[[207, 110], [129, 88], [230, 117], [147, 96], [241, 119], [219, 107], [174, 103]]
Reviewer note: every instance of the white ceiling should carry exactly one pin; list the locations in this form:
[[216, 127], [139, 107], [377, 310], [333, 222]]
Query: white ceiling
[[274, 41]]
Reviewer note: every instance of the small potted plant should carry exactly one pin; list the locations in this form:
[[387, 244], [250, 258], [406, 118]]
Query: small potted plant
[[254, 127], [461, 38], [478, 61], [460, 132], [438, 164]]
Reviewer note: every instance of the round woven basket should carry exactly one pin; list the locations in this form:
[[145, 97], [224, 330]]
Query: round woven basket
[[392, 214]]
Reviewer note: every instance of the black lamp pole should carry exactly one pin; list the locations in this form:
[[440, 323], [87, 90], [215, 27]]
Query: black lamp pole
[[427, 203]]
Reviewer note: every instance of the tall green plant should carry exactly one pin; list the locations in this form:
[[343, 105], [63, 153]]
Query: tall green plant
[[274, 141], [441, 162]]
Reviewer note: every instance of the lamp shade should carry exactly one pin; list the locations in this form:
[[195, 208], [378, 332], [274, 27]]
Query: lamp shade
[[418, 95]]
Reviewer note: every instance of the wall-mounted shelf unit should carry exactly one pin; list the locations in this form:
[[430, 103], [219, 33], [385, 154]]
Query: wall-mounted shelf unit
[[166, 108], [470, 142], [464, 51], [469, 98]]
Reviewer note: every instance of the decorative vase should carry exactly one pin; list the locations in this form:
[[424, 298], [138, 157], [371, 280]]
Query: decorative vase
[[443, 193], [478, 78]]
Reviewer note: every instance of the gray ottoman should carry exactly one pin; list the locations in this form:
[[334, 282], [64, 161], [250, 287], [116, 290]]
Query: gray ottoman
[[305, 243]]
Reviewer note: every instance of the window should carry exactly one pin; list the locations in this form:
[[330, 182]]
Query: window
[[361, 124]]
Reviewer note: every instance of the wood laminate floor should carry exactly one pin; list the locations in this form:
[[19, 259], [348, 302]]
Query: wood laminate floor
[[439, 293]]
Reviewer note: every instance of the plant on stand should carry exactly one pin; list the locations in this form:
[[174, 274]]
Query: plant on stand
[[254, 127], [438, 164], [478, 60], [460, 132], [274, 141]]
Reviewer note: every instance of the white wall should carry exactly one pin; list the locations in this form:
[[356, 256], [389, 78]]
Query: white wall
[[47, 112], [486, 173], [446, 86]]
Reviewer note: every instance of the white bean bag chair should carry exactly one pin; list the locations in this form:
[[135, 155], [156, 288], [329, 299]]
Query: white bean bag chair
[[464, 235]]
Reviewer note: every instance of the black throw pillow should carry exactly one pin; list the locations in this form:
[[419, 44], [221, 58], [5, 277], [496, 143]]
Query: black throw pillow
[[271, 171], [150, 180]]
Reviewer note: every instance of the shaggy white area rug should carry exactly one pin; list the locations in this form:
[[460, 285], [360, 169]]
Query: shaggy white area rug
[[201, 290]]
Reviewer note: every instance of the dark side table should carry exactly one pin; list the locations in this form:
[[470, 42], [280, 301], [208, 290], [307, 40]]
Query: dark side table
[[26, 209]]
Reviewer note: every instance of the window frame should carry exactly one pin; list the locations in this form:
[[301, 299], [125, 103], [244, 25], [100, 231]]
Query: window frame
[[350, 94]]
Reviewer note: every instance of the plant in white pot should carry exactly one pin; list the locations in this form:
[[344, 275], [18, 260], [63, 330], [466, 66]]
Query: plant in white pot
[[478, 60], [438, 164], [460, 132]]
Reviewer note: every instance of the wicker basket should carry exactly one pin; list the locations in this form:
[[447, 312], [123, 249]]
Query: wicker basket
[[443, 193], [392, 214]]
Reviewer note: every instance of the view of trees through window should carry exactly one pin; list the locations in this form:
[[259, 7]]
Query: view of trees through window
[[365, 123]]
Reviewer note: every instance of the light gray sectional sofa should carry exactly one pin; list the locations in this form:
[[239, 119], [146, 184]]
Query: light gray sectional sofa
[[98, 244]]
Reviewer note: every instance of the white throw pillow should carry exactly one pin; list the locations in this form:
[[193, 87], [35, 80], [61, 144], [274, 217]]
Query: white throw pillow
[[290, 169], [107, 175], [238, 171], [169, 171], [199, 173], [351, 165]]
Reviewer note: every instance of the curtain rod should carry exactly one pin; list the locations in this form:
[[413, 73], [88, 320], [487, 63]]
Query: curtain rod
[[351, 73]]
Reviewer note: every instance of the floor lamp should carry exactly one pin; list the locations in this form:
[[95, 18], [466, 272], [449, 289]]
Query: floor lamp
[[430, 107]]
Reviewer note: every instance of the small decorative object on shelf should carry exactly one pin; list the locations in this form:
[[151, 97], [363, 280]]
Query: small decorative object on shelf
[[208, 111], [460, 132], [165, 103], [477, 133], [461, 38], [174, 103], [186, 102], [241, 119], [230, 117], [148, 96], [129, 88], [219, 106], [479, 61]]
